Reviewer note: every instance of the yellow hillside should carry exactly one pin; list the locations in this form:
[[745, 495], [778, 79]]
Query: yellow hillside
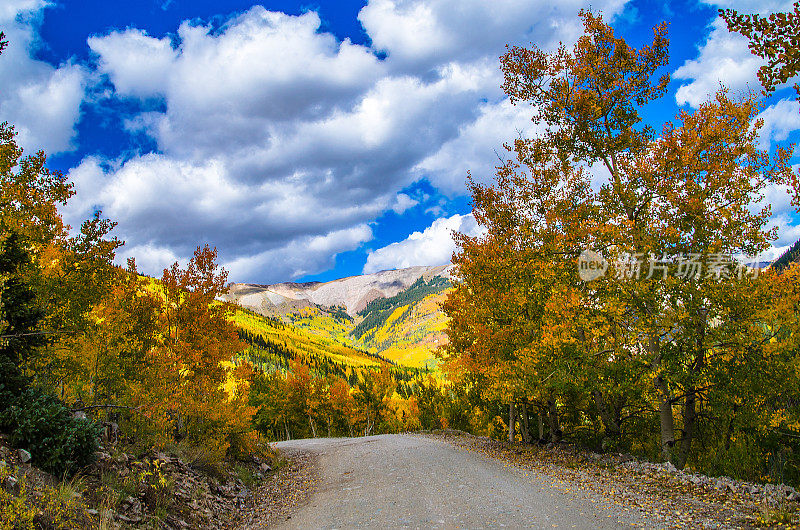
[[299, 341]]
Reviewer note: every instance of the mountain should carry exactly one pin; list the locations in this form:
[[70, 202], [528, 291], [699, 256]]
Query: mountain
[[352, 293], [792, 254], [395, 314]]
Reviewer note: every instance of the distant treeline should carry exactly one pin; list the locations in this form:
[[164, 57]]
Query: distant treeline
[[378, 311], [787, 257], [270, 356]]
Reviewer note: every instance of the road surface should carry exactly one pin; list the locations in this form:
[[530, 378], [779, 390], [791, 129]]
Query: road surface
[[411, 481]]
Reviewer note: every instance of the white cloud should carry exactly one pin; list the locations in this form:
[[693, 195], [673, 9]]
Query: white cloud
[[778, 197], [41, 101], [150, 259], [275, 138], [403, 202], [180, 204], [268, 231], [432, 246], [477, 148], [262, 65], [9, 9], [780, 119], [724, 59], [417, 35], [137, 65], [788, 233], [752, 6], [299, 257]]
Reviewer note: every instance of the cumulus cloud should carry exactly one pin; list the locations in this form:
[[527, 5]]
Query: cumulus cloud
[[149, 258], [724, 58], [260, 65], [788, 235], [403, 202], [179, 204], [788, 231], [40, 100], [780, 119], [11, 9], [137, 65], [417, 35], [301, 256], [779, 199], [280, 143], [476, 149], [432, 246]]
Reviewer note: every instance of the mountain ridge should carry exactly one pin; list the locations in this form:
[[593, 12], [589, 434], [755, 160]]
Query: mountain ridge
[[351, 292], [394, 313]]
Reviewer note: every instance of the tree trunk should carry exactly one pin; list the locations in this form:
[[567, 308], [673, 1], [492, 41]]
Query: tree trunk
[[690, 401], [178, 427], [541, 425], [512, 421], [729, 434], [664, 404], [689, 423], [666, 418], [524, 426], [607, 416], [555, 428]]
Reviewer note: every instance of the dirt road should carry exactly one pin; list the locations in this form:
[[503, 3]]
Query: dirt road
[[409, 481]]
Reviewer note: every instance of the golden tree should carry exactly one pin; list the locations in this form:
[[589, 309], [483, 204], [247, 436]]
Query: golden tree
[[522, 317], [196, 340]]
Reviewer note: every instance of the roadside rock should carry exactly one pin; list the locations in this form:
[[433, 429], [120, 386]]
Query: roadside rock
[[770, 493], [10, 484]]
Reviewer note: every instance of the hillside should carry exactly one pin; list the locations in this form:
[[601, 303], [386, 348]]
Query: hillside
[[395, 314]]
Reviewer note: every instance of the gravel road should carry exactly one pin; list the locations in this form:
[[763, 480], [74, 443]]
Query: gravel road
[[409, 481]]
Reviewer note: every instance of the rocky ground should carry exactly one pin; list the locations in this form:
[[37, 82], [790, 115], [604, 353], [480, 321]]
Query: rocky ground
[[167, 491], [665, 496], [278, 498], [153, 490]]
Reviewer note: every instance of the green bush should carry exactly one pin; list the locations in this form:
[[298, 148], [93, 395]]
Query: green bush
[[58, 443], [12, 382]]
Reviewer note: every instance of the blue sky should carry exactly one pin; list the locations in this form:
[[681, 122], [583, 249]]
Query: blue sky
[[311, 141]]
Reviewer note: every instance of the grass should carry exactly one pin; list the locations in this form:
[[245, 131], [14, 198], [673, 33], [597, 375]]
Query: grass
[[247, 475], [69, 490], [777, 516], [118, 488]]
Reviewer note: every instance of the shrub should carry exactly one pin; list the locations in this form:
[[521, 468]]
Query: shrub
[[498, 430], [30, 505], [15, 510], [58, 443], [12, 382]]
